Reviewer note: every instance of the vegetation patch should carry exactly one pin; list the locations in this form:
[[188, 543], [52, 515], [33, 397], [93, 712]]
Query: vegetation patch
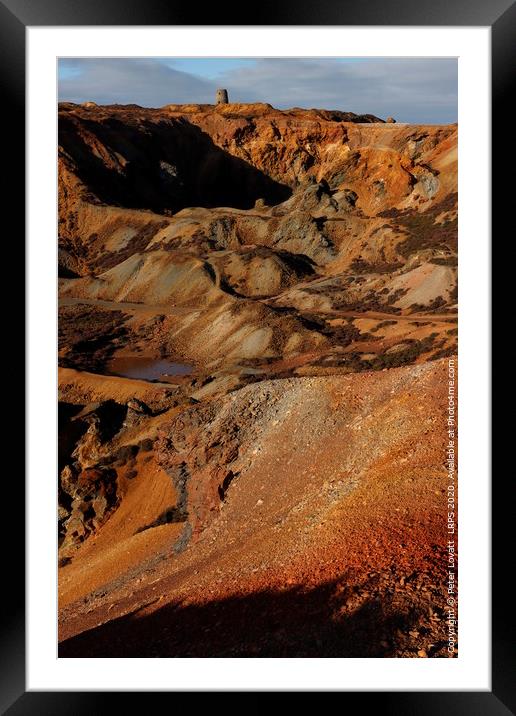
[[88, 336], [360, 266], [383, 324], [421, 228]]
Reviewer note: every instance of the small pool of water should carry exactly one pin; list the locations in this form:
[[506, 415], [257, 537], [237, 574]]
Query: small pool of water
[[146, 368]]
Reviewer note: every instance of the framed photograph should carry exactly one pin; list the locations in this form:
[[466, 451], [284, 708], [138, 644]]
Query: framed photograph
[[258, 353]]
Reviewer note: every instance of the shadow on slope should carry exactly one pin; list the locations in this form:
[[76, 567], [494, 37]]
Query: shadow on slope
[[164, 166], [331, 620]]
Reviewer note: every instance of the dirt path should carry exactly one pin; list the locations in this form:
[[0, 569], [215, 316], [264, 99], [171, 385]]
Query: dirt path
[[377, 315], [144, 308]]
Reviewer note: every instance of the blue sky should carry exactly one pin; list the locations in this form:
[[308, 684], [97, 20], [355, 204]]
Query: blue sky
[[410, 89]]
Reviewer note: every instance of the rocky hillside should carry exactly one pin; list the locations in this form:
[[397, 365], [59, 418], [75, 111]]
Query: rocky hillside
[[256, 310], [296, 517]]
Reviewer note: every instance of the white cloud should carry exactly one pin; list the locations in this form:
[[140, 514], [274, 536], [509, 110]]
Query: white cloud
[[410, 89], [148, 82]]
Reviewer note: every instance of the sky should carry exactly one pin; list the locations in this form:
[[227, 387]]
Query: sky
[[418, 90]]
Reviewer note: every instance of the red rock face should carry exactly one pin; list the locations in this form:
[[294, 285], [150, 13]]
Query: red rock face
[[282, 495], [169, 157]]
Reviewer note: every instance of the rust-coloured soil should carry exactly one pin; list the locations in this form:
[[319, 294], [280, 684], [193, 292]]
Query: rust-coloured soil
[[286, 494]]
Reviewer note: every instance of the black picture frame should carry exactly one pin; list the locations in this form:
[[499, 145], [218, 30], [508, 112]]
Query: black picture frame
[[15, 17]]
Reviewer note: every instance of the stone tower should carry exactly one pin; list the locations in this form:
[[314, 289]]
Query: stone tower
[[222, 96]]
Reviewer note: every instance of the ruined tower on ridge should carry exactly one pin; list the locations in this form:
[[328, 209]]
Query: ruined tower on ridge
[[222, 96]]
